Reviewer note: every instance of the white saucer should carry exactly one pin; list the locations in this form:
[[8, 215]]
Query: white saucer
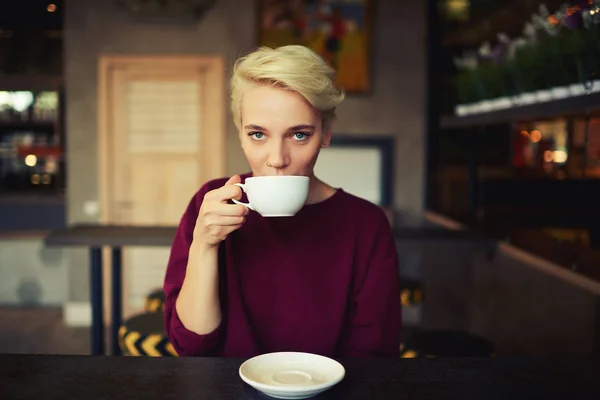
[[291, 375]]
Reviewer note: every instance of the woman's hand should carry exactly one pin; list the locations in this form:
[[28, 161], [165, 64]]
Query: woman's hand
[[217, 219]]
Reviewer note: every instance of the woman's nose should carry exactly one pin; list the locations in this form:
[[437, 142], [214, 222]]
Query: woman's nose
[[279, 157]]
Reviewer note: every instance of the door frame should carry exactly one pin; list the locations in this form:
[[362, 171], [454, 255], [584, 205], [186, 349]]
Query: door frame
[[213, 145]]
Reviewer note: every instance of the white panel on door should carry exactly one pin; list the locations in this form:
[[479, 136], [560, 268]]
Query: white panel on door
[[162, 116], [162, 124], [180, 186], [161, 188]]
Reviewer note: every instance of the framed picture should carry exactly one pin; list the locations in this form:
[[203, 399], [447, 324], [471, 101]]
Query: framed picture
[[338, 30], [362, 166]]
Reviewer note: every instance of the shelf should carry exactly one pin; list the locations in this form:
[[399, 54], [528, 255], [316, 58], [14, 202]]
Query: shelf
[[548, 109], [34, 83], [31, 198], [5, 125], [509, 18]]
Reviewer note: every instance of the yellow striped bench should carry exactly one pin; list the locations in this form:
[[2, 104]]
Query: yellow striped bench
[[144, 335], [155, 301]]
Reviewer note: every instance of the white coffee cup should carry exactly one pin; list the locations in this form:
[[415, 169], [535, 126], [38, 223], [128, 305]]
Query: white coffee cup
[[275, 196]]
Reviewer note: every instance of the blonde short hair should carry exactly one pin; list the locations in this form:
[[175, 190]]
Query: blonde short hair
[[292, 67]]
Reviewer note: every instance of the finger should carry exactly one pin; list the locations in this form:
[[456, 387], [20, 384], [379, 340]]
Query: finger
[[226, 192], [222, 221], [234, 210], [232, 228], [233, 179], [213, 211], [224, 231]]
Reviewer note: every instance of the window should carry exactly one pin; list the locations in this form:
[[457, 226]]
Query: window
[[31, 151]]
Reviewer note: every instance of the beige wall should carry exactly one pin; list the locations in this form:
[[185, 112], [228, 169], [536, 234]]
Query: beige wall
[[32, 273], [394, 107]]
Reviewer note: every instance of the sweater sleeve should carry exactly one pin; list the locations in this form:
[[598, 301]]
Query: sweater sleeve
[[185, 342], [375, 321]]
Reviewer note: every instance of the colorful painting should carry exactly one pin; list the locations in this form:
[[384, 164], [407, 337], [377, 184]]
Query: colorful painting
[[338, 30]]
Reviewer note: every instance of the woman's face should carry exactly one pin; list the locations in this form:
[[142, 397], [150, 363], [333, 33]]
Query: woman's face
[[281, 133]]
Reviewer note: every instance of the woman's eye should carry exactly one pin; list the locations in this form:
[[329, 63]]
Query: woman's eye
[[300, 136], [256, 135]]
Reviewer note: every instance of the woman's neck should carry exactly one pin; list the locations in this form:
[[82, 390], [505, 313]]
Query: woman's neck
[[319, 191]]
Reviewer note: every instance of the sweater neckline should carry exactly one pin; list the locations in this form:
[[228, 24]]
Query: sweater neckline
[[338, 192]]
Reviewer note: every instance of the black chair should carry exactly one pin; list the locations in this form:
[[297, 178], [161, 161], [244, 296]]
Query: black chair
[[437, 343], [445, 343], [155, 301]]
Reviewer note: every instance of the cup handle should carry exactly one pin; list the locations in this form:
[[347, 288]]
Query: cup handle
[[239, 202]]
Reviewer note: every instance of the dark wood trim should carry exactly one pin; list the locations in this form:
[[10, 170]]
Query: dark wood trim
[[97, 235], [30, 82], [433, 83], [25, 234], [596, 344]]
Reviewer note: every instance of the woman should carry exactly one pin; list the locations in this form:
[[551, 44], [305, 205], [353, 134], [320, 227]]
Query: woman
[[324, 281]]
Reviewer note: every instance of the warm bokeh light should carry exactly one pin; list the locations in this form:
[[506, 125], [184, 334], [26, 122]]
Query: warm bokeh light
[[51, 7], [559, 156], [51, 165], [31, 160], [457, 9], [553, 20], [525, 133], [536, 136], [547, 156]]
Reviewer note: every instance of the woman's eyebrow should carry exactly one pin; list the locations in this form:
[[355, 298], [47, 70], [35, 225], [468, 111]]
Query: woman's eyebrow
[[252, 127], [303, 127]]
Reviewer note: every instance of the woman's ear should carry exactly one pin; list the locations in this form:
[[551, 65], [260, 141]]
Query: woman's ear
[[326, 140]]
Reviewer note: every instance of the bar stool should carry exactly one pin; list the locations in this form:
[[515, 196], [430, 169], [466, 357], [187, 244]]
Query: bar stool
[[411, 292], [144, 335]]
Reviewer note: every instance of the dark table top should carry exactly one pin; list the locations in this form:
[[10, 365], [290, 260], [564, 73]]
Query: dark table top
[[112, 235], [121, 236], [114, 378]]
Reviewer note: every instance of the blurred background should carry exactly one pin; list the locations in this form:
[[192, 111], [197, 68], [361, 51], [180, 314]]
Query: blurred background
[[475, 125]]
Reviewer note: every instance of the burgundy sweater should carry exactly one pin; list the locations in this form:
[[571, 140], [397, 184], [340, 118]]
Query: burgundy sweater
[[325, 281]]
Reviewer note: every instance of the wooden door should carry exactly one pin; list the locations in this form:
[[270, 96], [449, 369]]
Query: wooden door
[[162, 134]]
